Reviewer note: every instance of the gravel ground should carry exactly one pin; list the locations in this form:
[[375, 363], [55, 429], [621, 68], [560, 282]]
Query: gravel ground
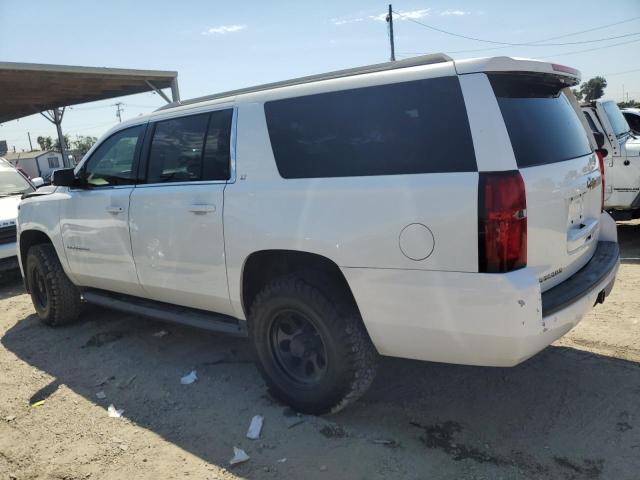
[[572, 411]]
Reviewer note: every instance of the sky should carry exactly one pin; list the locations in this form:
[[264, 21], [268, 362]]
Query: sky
[[217, 46]]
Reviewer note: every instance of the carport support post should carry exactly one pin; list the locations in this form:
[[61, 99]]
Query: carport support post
[[57, 119], [175, 93]]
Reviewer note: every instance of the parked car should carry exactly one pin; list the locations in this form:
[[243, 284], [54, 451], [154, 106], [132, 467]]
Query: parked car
[[632, 116], [426, 209], [622, 163], [12, 186]]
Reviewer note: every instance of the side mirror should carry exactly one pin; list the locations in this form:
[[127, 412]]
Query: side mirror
[[37, 181], [599, 136], [64, 177]]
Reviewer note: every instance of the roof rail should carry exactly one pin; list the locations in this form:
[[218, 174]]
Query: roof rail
[[378, 67]]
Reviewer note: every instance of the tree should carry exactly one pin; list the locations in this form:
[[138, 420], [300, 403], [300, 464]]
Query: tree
[[593, 89], [56, 144], [629, 104], [577, 93], [83, 144], [45, 143]]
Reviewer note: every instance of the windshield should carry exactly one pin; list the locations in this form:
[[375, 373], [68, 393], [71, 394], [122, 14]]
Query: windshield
[[12, 183], [617, 120]]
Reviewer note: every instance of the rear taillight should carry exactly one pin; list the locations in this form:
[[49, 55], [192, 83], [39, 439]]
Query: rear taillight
[[502, 222], [600, 154]]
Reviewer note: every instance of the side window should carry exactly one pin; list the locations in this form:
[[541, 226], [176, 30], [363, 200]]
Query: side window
[[396, 129], [217, 149], [53, 162], [113, 161], [633, 121], [591, 123], [190, 149]]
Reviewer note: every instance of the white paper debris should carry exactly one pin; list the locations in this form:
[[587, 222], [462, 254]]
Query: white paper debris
[[114, 412], [255, 427], [161, 333], [101, 395], [239, 456], [189, 378], [282, 460]]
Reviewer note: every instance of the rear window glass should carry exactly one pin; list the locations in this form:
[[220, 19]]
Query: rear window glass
[[402, 128], [543, 126]]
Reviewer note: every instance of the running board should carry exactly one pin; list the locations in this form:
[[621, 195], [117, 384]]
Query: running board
[[214, 322]]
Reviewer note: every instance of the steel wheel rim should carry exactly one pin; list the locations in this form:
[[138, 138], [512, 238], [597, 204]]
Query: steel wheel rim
[[40, 289], [297, 347]]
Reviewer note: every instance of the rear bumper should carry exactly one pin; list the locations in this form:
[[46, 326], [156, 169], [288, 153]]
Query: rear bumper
[[473, 318], [590, 277]]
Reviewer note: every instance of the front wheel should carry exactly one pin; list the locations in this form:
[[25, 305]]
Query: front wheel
[[56, 300], [313, 350]]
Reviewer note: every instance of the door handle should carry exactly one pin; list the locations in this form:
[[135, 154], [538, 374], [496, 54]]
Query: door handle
[[202, 208], [115, 210]]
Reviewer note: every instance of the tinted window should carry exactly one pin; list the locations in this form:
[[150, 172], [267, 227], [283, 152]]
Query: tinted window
[[403, 128], [191, 148], [176, 149], [591, 123], [543, 126], [618, 123], [112, 162], [633, 120], [215, 165]]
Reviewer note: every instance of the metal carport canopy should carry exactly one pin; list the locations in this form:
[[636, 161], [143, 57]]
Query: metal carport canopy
[[28, 88]]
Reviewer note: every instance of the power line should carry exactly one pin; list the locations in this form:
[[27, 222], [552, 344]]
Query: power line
[[590, 49], [510, 44]]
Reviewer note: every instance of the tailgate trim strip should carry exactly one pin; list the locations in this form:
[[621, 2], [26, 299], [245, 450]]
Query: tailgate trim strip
[[604, 260]]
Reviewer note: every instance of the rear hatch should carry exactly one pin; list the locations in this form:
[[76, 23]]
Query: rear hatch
[[560, 172]]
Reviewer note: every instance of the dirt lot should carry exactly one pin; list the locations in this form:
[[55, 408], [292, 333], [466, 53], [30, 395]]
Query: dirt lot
[[573, 411]]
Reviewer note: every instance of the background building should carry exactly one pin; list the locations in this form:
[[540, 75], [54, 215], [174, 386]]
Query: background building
[[35, 164]]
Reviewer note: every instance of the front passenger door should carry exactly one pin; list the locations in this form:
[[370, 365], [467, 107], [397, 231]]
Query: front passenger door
[[95, 219]]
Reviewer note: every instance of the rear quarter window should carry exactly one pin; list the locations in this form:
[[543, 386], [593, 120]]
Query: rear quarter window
[[403, 128], [543, 126]]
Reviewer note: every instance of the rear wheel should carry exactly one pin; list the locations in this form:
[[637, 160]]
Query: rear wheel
[[55, 298], [312, 348]]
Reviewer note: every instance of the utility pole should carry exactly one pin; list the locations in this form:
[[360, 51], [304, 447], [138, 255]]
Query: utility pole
[[30, 144], [119, 110], [390, 22]]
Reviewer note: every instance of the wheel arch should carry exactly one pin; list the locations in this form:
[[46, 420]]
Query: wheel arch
[[28, 239], [262, 266]]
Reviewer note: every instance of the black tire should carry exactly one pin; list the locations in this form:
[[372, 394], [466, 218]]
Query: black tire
[[56, 300], [350, 358]]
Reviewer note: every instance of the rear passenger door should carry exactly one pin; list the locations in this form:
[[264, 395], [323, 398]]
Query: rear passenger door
[[176, 215]]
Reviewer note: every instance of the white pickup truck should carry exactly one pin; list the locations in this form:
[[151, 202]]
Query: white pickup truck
[[428, 208], [622, 162]]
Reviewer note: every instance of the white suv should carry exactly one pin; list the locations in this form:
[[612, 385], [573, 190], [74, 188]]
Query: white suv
[[426, 209]]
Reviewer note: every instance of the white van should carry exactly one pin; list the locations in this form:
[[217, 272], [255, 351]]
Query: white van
[[426, 209]]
